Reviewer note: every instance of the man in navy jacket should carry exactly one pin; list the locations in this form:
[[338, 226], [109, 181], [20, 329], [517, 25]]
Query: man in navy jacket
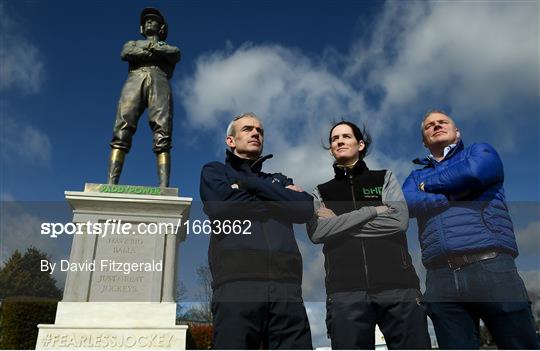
[[257, 270], [467, 240]]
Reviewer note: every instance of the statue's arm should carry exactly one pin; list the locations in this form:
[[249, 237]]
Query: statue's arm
[[169, 52], [136, 50]]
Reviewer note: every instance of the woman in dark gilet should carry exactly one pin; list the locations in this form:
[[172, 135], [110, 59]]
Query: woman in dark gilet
[[361, 220]]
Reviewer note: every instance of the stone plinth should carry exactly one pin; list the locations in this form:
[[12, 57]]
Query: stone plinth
[[120, 286]]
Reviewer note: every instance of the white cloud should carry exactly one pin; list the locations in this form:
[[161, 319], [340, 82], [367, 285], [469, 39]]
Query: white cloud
[[291, 93], [477, 57], [23, 143], [21, 66], [313, 288], [316, 312], [532, 283], [278, 83], [416, 257], [481, 59], [528, 239]]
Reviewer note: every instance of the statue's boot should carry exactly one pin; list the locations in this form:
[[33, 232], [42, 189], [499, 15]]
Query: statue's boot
[[164, 168], [116, 162]]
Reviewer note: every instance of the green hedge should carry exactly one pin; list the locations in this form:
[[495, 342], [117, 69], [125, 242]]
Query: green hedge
[[19, 319]]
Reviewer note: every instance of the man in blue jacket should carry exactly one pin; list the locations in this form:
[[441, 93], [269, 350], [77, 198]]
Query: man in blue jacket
[[467, 240], [257, 272]]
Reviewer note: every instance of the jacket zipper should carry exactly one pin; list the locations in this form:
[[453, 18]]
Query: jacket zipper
[[351, 183], [349, 175]]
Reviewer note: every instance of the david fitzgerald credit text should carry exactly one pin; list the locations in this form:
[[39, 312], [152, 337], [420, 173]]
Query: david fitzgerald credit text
[[102, 266]]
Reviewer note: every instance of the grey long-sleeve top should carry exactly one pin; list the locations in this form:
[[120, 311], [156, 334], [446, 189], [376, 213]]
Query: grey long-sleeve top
[[393, 221]]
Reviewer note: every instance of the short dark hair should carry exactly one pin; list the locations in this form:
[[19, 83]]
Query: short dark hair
[[359, 134]]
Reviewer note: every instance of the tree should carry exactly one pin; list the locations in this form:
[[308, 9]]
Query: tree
[[21, 275], [199, 317], [29, 297], [180, 295], [203, 311]]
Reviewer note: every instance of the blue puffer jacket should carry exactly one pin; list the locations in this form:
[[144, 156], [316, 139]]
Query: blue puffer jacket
[[463, 207]]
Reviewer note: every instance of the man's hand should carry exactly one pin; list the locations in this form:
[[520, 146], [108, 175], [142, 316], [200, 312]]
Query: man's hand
[[325, 213], [295, 188]]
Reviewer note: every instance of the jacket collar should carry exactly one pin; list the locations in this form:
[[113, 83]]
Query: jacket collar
[[427, 161], [342, 171], [243, 164]]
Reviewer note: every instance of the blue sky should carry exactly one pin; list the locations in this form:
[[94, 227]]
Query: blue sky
[[299, 65]]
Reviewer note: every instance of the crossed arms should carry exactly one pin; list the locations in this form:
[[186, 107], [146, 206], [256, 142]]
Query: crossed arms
[[252, 196], [474, 173], [147, 51], [368, 221]]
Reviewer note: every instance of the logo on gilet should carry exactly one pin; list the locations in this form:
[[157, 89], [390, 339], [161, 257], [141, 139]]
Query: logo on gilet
[[372, 192]]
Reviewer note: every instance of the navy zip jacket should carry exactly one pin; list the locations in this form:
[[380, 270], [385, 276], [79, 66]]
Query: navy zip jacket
[[463, 208], [265, 209]]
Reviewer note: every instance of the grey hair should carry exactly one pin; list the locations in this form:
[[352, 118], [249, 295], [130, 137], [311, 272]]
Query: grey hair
[[230, 127], [430, 112]]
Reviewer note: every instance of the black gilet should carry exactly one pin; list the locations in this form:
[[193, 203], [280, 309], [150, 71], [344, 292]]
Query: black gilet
[[353, 263]]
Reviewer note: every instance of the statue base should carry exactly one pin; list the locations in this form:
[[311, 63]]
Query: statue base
[[113, 325], [120, 287]]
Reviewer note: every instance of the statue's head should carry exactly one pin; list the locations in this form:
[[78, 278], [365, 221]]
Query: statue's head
[[153, 13]]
